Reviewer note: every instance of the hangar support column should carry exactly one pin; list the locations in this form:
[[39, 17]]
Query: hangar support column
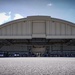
[[61, 47]]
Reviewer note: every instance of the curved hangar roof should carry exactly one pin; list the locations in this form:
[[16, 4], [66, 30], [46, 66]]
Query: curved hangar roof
[[37, 27]]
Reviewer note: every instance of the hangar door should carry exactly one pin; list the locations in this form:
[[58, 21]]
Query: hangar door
[[38, 28]]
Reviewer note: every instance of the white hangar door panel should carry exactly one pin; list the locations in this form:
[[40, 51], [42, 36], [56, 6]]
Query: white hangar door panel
[[38, 28]]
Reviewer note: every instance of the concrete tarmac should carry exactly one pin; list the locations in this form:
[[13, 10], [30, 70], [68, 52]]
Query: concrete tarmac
[[37, 66]]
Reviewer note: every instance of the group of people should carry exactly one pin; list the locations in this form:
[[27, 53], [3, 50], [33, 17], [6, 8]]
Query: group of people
[[31, 54]]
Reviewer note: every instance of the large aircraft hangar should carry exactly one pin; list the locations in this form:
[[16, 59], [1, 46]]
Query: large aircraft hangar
[[37, 36]]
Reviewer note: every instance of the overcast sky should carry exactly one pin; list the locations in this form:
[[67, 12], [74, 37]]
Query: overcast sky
[[15, 9]]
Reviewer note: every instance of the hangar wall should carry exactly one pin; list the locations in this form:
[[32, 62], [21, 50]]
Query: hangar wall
[[22, 47], [14, 47], [38, 27]]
